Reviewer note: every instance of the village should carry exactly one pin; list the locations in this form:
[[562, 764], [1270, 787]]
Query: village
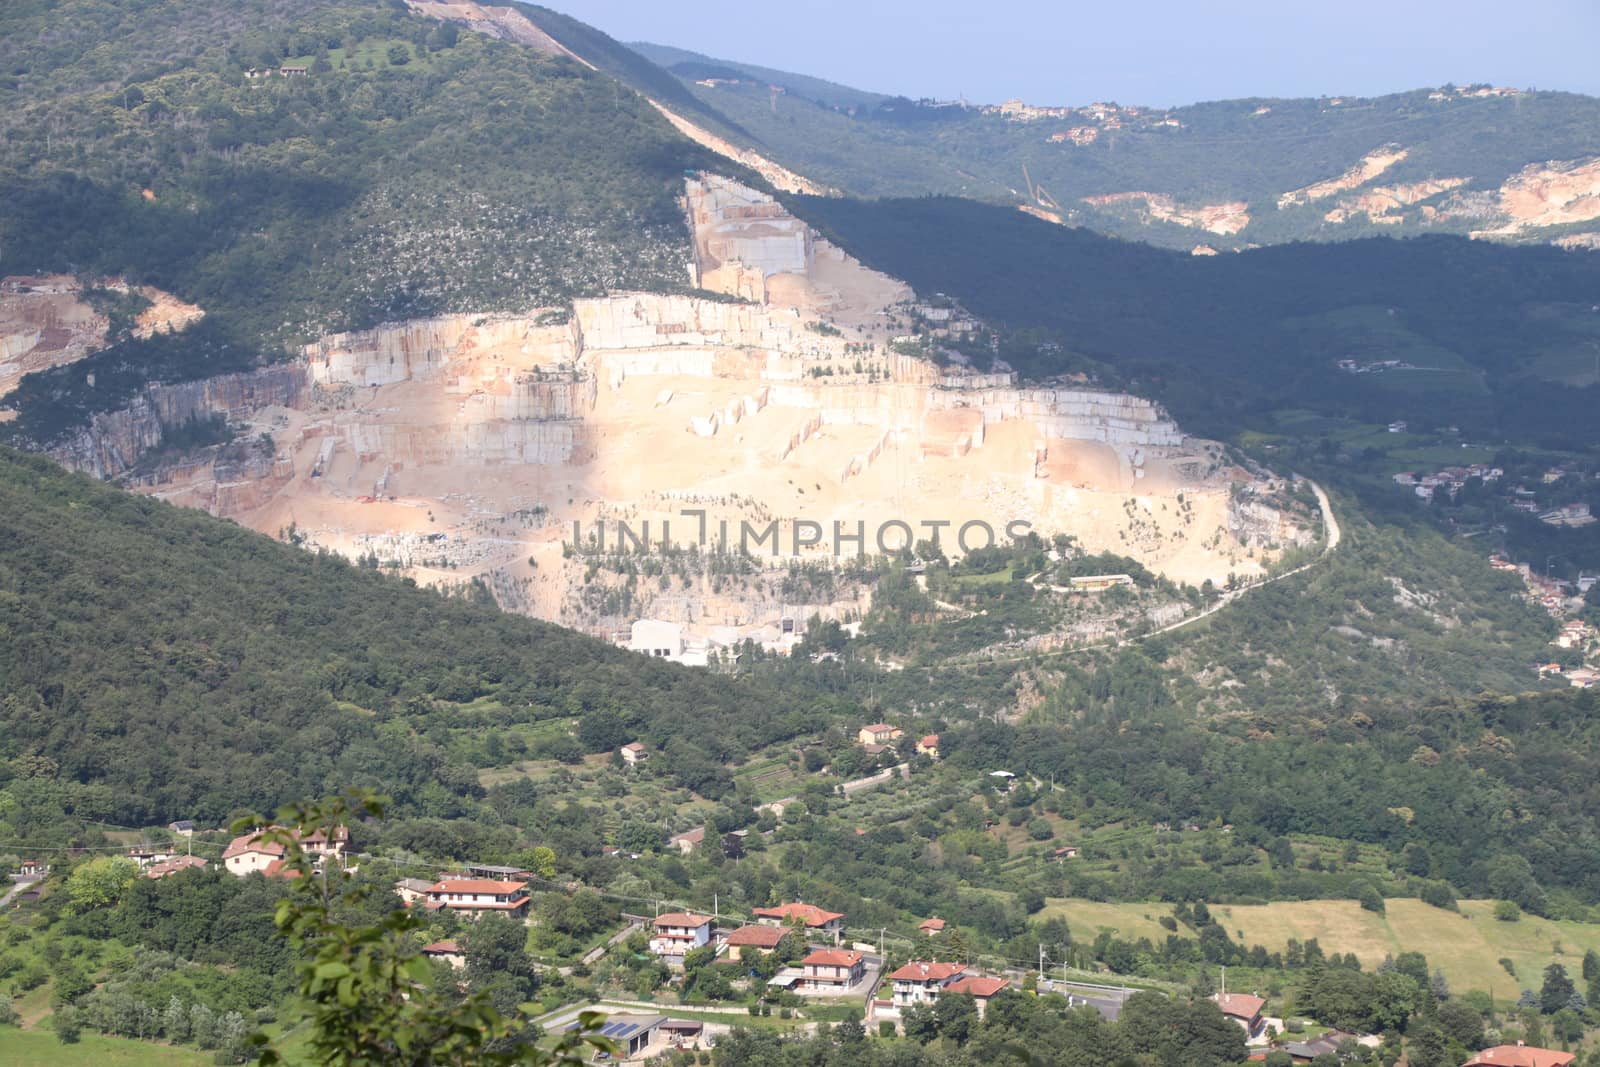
[[807, 964]]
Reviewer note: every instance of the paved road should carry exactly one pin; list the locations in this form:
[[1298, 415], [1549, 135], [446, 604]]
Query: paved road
[[21, 884], [1330, 523]]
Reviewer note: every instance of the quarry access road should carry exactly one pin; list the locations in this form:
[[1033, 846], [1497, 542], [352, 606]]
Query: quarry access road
[[1330, 524]]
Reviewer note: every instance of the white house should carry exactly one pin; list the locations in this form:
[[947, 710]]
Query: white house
[[472, 897], [921, 981], [679, 932], [247, 854]]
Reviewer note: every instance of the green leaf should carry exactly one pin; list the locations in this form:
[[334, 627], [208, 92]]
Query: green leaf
[[332, 970]]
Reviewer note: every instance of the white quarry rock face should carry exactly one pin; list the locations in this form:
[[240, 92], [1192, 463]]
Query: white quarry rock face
[[469, 445]]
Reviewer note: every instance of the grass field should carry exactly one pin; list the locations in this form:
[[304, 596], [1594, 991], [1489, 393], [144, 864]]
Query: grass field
[[39, 1048], [1467, 946]]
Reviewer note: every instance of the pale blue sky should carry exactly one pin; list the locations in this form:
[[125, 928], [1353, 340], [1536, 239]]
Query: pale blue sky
[[1160, 53]]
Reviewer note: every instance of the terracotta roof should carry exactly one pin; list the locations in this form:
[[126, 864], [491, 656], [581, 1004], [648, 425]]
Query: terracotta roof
[[1239, 1005], [757, 936], [977, 986], [682, 918], [693, 837], [633, 746], [931, 925], [929, 741], [252, 842], [173, 866], [276, 869], [810, 914], [442, 948], [927, 971], [878, 727], [1520, 1056], [475, 885], [832, 957]]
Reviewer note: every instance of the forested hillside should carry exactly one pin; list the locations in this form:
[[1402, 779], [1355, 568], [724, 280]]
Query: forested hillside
[[412, 169], [1226, 339], [1247, 152], [156, 663]]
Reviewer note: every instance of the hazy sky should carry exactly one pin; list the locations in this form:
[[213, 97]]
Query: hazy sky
[[1160, 52]]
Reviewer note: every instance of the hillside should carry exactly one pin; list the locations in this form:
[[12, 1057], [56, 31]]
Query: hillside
[[1516, 164], [410, 169], [158, 663], [1229, 339]]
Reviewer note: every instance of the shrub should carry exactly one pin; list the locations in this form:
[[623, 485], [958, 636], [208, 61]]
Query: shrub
[[1507, 912]]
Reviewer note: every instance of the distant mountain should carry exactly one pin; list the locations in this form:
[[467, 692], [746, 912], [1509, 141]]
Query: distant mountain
[[693, 66], [1510, 164]]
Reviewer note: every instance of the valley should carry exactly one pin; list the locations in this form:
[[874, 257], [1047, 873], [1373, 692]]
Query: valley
[[498, 525]]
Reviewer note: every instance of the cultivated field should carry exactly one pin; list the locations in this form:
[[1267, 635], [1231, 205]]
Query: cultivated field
[[1467, 947], [39, 1048]]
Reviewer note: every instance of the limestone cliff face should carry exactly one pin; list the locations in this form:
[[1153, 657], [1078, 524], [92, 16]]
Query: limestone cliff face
[[114, 441]]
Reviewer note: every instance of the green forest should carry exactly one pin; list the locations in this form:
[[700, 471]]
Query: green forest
[[415, 170]]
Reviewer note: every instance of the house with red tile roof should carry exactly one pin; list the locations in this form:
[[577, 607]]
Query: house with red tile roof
[[921, 981], [932, 927], [680, 932], [809, 915], [446, 952], [1243, 1009], [832, 970], [473, 897], [879, 733], [165, 867], [980, 988], [754, 939], [928, 745], [248, 853], [1520, 1055]]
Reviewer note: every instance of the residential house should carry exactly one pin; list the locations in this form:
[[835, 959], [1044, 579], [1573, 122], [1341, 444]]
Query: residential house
[[293, 71], [446, 952], [753, 940], [1520, 1055], [173, 865], [879, 733], [412, 890], [931, 927], [811, 916], [688, 841], [248, 854], [633, 753], [680, 932], [472, 897], [921, 981], [980, 988], [1243, 1009], [832, 970], [1325, 1045], [1065, 852], [33, 869], [322, 846], [147, 855], [928, 745], [184, 827]]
